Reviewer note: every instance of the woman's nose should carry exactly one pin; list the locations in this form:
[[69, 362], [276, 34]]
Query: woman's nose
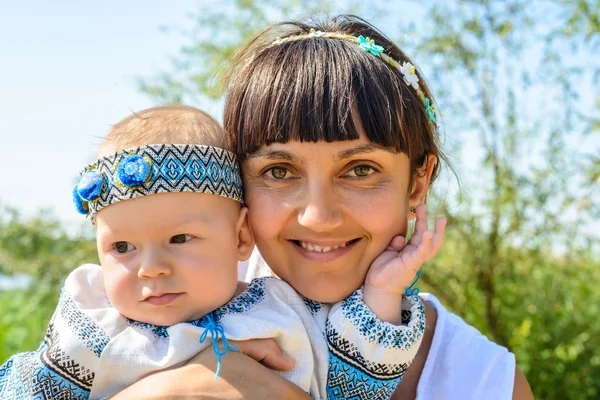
[[154, 265], [320, 211]]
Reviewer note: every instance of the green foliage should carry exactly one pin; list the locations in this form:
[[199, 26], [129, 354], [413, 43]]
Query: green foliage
[[40, 248], [525, 267], [216, 35]]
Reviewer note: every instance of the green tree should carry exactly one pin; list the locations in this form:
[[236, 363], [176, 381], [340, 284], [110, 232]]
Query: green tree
[[526, 259], [512, 80], [218, 32], [41, 249]]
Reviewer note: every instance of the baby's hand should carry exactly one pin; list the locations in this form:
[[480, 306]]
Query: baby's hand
[[392, 272]]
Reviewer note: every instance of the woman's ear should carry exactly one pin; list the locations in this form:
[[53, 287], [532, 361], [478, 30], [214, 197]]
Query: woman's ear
[[420, 182], [245, 238]]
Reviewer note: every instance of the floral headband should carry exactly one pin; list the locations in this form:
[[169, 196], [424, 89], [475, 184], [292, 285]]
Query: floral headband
[[407, 70], [157, 168]]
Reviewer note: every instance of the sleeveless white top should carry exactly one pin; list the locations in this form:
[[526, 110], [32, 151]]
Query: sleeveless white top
[[462, 363]]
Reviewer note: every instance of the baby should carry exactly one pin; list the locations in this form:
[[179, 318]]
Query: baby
[[167, 203]]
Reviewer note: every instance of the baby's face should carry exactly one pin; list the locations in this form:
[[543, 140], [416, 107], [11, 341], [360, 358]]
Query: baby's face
[[170, 257]]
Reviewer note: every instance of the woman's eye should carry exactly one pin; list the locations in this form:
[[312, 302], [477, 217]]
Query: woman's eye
[[361, 170], [181, 238], [123, 247], [277, 172]]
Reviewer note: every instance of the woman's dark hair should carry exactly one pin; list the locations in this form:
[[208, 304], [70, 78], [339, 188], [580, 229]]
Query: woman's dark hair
[[310, 89]]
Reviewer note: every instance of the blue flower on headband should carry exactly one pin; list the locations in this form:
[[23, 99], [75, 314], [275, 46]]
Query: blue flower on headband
[[89, 185], [369, 45], [80, 205], [133, 171], [430, 110]]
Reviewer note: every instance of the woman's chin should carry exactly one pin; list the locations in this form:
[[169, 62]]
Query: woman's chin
[[326, 292]]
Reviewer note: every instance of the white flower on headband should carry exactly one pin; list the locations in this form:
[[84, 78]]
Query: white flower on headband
[[312, 33], [279, 40], [409, 72]]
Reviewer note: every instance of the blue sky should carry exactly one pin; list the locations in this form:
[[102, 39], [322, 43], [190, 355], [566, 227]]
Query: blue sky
[[68, 72]]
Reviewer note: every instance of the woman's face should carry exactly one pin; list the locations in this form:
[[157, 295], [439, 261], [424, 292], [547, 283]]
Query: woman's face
[[321, 212]]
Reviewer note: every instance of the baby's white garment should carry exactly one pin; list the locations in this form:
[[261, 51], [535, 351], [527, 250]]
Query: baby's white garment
[[91, 350]]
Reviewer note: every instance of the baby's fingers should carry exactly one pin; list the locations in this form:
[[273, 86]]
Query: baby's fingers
[[438, 236], [397, 243], [420, 225], [421, 254]]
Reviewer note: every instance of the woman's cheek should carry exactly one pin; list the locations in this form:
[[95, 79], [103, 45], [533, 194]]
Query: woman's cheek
[[382, 214]]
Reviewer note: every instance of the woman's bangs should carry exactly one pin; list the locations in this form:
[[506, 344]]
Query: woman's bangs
[[319, 91]]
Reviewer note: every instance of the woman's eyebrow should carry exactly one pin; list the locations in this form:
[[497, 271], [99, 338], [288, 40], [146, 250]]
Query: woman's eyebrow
[[367, 148], [272, 155]]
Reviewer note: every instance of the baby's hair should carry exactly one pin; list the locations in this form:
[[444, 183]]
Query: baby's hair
[[321, 88], [174, 124]]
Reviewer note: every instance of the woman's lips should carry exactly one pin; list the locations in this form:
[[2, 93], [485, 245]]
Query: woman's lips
[[163, 299], [323, 256]]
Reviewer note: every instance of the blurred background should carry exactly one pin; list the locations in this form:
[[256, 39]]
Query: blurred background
[[516, 83]]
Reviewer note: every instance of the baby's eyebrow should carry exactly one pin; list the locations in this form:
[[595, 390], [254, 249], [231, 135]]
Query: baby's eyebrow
[[367, 148], [272, 155]]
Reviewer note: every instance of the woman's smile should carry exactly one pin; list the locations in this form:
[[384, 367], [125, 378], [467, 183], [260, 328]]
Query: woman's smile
[[324, 251]]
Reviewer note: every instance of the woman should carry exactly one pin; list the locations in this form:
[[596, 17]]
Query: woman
[[338, 136]]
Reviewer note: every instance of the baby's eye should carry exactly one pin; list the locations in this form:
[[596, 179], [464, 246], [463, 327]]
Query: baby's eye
[[361, 170], [123, 247], [181, 238], [277, 173]]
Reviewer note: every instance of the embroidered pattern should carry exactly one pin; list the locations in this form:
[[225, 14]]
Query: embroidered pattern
[[159, 168], [347, 353], [254, 294], [47, 373], [347, 382], [406, 317], [375, 332], [91, 334], [313, 306], [62, 364], [158, 330]]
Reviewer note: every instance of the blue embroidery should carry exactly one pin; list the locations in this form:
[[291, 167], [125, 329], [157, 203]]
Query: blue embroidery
[[48, 373], [162, 168], [23, 376], [313, 306], [91, 334], [254, 294], [158, 330], [377, 332], [350, 354], [347, 382]]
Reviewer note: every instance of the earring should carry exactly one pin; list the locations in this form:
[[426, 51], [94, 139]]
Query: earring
[[413, 210]]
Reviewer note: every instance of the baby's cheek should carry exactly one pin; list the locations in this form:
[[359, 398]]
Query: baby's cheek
[[118, 291]]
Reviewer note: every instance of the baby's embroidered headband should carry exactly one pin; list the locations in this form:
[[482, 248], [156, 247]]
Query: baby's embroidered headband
[[407, 70], [157, 168]]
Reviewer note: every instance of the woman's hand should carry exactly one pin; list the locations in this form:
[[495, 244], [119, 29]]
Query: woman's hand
[[244, 375]]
